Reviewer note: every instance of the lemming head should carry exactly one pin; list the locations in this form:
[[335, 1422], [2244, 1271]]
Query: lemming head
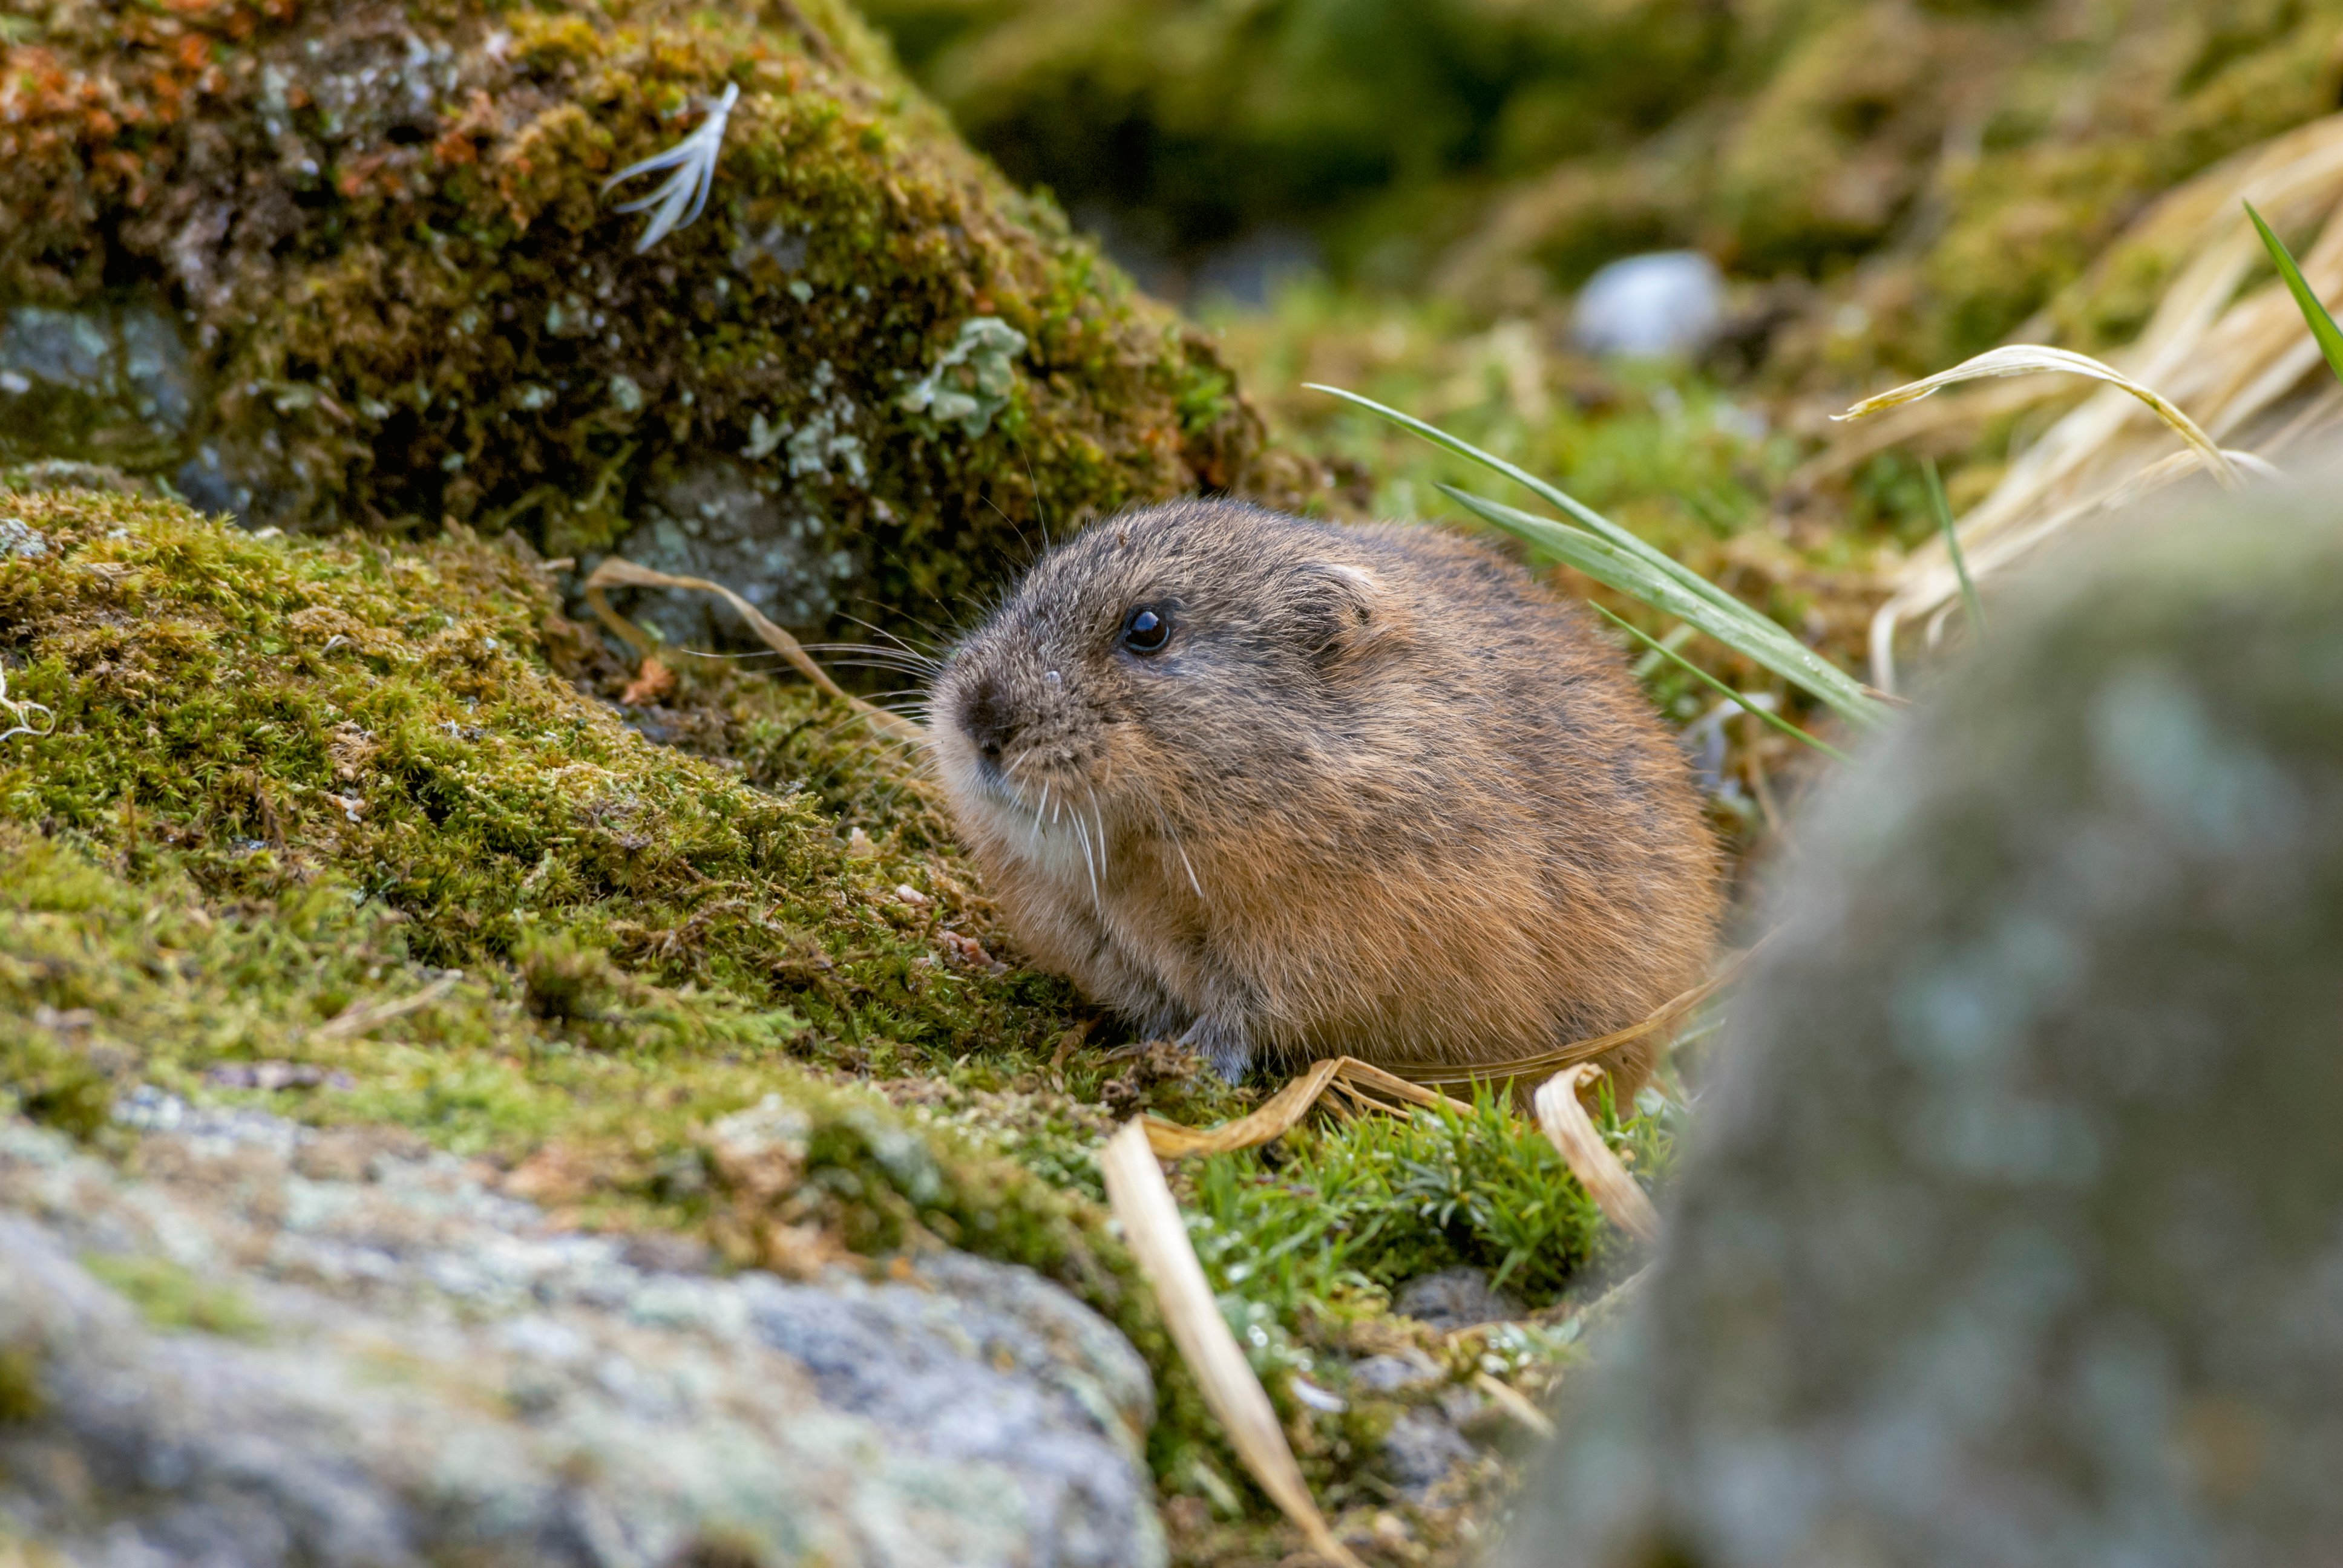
[[1155, 653]]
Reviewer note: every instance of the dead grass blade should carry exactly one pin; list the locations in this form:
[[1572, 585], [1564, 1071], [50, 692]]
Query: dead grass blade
[[1362, 1083], [2032, 358], [1666, 1016], [1515, 1403], [1279, 1115], [1567, 1126], [618, 572], [1152, 1224]]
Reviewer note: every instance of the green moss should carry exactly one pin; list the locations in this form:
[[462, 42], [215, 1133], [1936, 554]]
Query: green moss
[[330, 804], [463, 894], [2011, 153], [172, 1297], [374, 740]]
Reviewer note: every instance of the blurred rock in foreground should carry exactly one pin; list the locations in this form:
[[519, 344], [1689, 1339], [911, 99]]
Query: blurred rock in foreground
[[2015, 1232], [283, 1345]]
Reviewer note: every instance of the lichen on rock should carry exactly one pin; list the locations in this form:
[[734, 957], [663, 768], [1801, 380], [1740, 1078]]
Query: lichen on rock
[[387, 1360]]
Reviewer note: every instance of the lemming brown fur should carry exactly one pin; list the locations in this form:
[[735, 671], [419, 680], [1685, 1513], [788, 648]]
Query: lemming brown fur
[[1380, 795]]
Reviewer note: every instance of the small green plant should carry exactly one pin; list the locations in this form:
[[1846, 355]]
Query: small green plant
[[1944, 510], [1619, 560], [2314, 315], [1664, 651]]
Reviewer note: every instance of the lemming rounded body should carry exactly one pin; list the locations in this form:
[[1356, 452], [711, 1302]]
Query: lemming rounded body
[[1282, 789]]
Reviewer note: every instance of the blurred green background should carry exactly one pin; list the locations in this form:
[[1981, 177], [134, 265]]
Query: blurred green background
[[1493, 152]]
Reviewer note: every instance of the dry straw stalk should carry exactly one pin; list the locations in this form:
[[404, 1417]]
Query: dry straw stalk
[[2240, 364], [618, 572], [1152, 1224]]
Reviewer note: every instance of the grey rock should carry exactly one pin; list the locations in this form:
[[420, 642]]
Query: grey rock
[[1421, 1449], [355, 1351], [1456, 1299], [1669, 302], [2013, 1230], [111, 384], [732, 524], [216, 483], [1389, 1374]]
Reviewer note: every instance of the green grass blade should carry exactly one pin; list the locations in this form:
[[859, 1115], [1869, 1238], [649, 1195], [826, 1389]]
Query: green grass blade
[[1776, 720], [2322, 326], [1953, 543], [1733, 624], [1553, 495]]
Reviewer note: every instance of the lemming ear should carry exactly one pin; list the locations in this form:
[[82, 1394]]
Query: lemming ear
[[1346, 612]]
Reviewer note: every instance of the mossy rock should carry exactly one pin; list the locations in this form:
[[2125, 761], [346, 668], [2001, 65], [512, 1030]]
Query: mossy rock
[[325, 267], [324, 817]]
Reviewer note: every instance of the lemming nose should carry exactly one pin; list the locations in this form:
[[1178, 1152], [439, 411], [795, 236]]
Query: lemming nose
[[984, 719]]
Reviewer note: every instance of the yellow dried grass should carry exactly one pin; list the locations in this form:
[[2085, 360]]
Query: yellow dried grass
[[2232, 361], [1361, 1082], [1563, 1120], [2033, 358]]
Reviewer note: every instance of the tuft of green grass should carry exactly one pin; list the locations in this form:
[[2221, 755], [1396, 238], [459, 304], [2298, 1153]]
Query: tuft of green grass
[[1305, 1240], [1333, 1218]]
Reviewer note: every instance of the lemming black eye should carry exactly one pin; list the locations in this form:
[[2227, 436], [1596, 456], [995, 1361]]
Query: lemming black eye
[[1146, 630]]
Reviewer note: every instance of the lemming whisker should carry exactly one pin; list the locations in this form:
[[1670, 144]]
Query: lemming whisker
[[1173, 833], [1081, 831], [893, 667], [1100, 817], [941, 634], [902, 650], [1041, 512], [1022, 542]]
